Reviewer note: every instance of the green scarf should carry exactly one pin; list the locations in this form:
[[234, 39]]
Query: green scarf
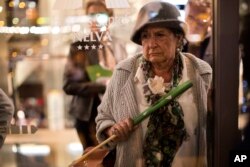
[[166, 130]]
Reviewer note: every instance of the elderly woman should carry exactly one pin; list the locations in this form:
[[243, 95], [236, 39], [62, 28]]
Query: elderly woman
[[175, 135]]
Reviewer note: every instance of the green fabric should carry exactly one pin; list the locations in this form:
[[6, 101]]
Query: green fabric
[[96, 72], [166, 130]]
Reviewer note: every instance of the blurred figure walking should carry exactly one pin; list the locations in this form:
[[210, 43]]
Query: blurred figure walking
[[106, 52]]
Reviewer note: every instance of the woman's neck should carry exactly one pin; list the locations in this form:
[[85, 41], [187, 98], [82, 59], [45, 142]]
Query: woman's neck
[[164, 72]]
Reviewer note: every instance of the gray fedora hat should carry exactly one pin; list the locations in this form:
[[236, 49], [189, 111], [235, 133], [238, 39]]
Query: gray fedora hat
[[159, 13]]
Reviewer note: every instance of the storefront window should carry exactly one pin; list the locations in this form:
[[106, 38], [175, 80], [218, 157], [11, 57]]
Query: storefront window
[[35, 38]]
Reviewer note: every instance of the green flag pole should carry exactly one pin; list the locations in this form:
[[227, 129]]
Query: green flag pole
[[173, 93]]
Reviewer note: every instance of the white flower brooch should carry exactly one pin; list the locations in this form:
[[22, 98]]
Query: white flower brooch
[[156, 85]]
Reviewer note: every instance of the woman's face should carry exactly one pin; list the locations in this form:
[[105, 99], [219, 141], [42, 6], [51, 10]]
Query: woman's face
[[159, 44], [98, 13]]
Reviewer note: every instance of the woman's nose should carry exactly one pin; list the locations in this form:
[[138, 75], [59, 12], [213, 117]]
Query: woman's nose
[[152, 42]]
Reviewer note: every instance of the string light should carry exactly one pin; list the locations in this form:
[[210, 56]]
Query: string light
[[15, 20], [11, 4], [2, 23], [40, 30], [22, 5]]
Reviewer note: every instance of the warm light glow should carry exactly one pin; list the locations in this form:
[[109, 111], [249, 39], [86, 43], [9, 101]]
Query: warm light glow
[[31, 4], [15, 20], [13, 30], [76, 28], [44, 42], [66, 29], [32, 149], [77, 19], [31, 14], [29, 52], [22, 5], [42, 29], [2, 23], [11, 4], [45, 56], [1, 9], [42, 20], [14, 54], [24, 30], [20, 114], [74, 148], [194, 38], [56, 30]]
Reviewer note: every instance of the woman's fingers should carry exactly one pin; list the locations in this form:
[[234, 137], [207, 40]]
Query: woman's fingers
[[122, 129]]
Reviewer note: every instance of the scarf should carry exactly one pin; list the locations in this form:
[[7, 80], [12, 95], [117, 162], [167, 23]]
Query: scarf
[[165, 130]]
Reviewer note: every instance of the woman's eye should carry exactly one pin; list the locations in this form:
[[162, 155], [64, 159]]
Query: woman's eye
[[144, 36], [160, 35]]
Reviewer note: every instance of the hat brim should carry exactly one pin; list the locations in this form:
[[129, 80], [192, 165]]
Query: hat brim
[[172, 24]]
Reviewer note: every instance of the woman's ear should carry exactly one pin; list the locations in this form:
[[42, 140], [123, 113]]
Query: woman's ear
[[180, 41], [180, 37]]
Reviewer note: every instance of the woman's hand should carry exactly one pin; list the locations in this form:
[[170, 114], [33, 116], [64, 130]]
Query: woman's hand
[[122, 130]]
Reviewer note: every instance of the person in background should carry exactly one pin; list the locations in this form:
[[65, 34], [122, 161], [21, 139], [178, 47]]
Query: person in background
[[107, 52], [175, 134], [198, 16], [6, 113], [245, 50]]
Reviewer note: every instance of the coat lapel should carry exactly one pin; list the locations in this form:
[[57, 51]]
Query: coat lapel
[[128, 96]]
